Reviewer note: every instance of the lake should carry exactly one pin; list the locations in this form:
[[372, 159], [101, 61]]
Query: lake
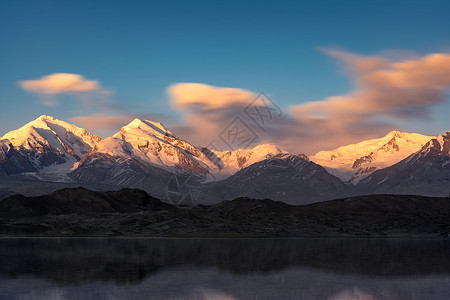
[[147, 268]]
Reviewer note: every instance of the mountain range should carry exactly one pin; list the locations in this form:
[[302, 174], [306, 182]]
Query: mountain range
[[351, 163], [147, 155]]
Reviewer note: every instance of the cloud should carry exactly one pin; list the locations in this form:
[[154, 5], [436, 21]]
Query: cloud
[[430, 71], [386, 92], [207, 109], [207, 97], [58, 83], [65, 83]]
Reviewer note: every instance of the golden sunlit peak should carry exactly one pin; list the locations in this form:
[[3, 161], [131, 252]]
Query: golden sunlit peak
[[135, 122], [44, 117], [396, 133], [146, 125]]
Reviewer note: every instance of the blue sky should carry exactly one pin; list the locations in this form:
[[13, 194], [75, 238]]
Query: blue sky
[[137, 49]]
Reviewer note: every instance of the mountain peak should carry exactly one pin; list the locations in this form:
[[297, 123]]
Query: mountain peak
[[148, 126], [47, 141], [393, 132], [441, 144], [52, 124], [397, 134], [445, 134], [404, 135], [43, 122], [40, 122], [267, 146], [46, 122], [135, 123], [44, 118]]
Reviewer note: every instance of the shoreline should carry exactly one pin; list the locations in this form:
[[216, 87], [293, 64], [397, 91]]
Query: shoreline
[[224, 237]]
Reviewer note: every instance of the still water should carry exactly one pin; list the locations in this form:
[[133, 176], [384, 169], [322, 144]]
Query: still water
[[129, 268]]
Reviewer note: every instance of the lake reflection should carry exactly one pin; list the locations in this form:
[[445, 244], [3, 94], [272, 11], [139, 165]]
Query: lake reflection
[[332, 269]]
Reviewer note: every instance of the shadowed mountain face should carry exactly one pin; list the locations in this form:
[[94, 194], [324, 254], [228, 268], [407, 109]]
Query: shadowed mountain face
[[289, 178], [131, 260], [123, 172], [13, 161], [80, 212]]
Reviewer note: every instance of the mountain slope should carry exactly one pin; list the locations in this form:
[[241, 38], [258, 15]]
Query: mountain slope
[[52, 145], [353, 162], [426, 172], [289, 178], [122, 171], [13, 161]]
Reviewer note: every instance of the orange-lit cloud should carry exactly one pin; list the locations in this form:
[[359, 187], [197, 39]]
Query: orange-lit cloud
[[60, 83], [385, 89], [301, 131], [198, 95], [430, 71], [386, 92], [206, 109], [88, 92]]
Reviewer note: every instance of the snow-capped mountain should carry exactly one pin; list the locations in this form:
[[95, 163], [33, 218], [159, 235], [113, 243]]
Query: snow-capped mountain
[[353, 162], [146, 155], [425, 172], [151, 143], [52, 145], [284, 177], [143, 154]]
